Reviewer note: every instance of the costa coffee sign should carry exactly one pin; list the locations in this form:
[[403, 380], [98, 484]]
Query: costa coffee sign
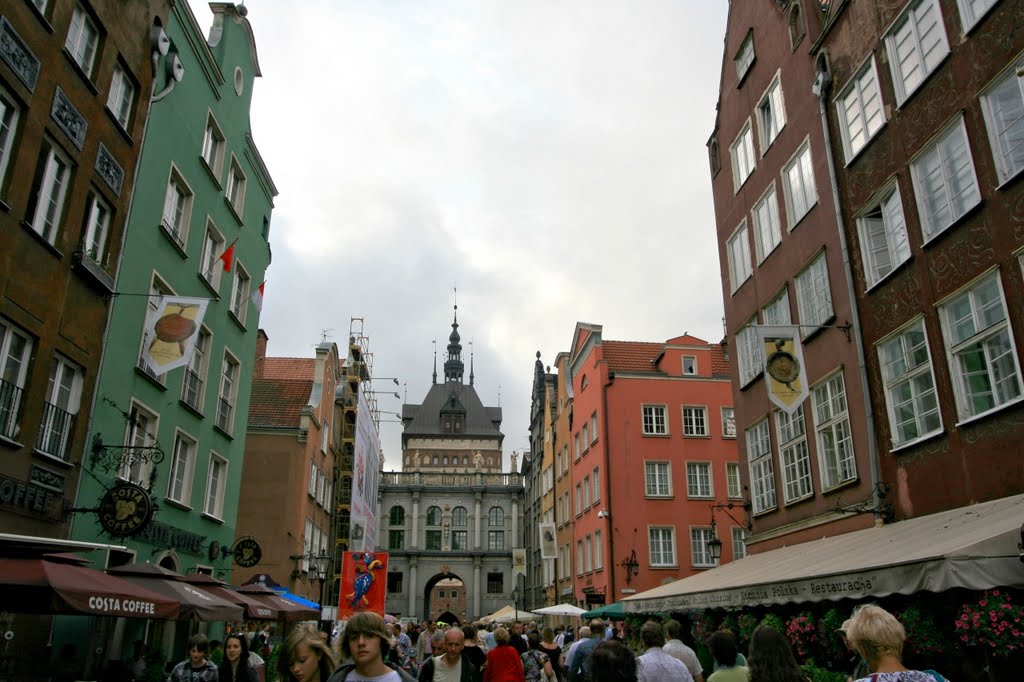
[[125, 510]]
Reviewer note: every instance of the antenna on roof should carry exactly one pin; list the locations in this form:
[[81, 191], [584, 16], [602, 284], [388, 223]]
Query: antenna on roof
[[325, 334], [499, 395]]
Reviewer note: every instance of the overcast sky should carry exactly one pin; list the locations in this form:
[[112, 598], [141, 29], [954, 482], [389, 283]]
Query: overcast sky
[[545, 157]]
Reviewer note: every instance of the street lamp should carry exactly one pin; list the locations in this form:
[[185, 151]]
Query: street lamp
[[515, 598], [321, 563]]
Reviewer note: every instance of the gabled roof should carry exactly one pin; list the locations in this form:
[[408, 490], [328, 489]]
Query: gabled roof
[[425, 419], [278, 403], [289, 369], [632, 356]]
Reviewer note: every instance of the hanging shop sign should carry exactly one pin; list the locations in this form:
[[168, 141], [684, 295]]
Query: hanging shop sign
[[247, 552], [125, 510]]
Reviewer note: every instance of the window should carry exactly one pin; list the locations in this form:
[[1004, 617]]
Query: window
[[183, 461], [860, 111], [209, 260], [495, 583], [434, 540], [441, 594], [177, 208], [748, 350], [771, 114], [700, 555], [689, 365], [972, 11], [593, 427], [740, 268], [916, 44], [585, 435], [777, 310], [121, 96], [793, 455], [395, 581], [240, 294], [97, 226], [814, 300], [835, 442], [742, 154], [796, 27], [654, 420], [50, 192], [496, 517], [586, 492], [733, 485], [663, 546], [577, 446], [883, 236], [495, 540], [217, 478], [460, 517], [579, 557], [396, 539], [236, 188], [83, 38], [798, 185], [944, 180], [762, 475], [140, 433], [228, 394], [909, 385], [434, 516], [745, 57], [739, 543], [595, 483], [714, 158], [9, 113], [579, 498], [63, 395], [598, 560], [695, 421], [728, 422], [980, 346], [15, 351], [698, 479], [311, 485], [213, 147], [588, 555], [767, 233], [396, 515], [658, 479], [1003, 105], [460, 540]]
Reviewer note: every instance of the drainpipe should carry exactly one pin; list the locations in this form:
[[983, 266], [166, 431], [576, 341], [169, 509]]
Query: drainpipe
[[608, 486], [821, 88]]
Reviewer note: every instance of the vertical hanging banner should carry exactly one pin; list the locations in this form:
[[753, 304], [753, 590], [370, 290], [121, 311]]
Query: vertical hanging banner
[[363, 583], [785, 375], [171, 332], [548, 544], [518, 562]]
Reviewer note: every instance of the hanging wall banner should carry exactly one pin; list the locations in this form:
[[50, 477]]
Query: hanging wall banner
[[363, 583], [548, 545], [171, 332], [518, 562], [785, 376]]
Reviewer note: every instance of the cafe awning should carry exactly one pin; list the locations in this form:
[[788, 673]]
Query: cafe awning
[[972, 547], [288, 610], [196, 604], [254, 609]]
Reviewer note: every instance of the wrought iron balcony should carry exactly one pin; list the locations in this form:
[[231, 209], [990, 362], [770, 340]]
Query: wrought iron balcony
[[55, 432], [10, 401]]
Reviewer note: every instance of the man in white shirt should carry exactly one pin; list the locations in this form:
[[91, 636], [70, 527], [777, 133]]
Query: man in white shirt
[[450, 666], [654, 665], [674, 647], [584, 636]]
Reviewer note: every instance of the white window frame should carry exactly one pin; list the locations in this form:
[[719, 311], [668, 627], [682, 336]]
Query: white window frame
[[121, 98], [695, 421], [837, 460], [733, 482], [83, 39], [180, 474], [210, 267], [749, 359], [138, 434], [240, 284], [228, 392], [738, 250], [814, 295], [62, 401], [972, 11], [699, 483], [235, 190], [860, 109], [13, 371], [745, 56], [771, 110], [97, 228], [593, 427], [10, 113], [767, 225], [214, 146], [728, 422], [905, 361], [776, 311], [579, 557], [938, 150], [176, 214], [216, 484], [658, 479], [799, 199], [51, 193], [1009, 161], [700, 556], [661, 541], [595, 485], [739, 542], [598, 551], [588, 554], [689, 365], [586, 492], [760, 462], [882, 227], [911, 71], [794, 455], [988, 336], [657, 415], [741, 155], [198, 366]]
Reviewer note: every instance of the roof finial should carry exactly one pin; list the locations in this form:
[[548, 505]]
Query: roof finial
[[471, 363], [435, 361]]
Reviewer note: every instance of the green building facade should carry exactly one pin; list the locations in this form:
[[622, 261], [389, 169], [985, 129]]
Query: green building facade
[[201, 188]]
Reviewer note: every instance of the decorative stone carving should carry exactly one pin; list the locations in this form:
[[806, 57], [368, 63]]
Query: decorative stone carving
[[68, 118], [46, 479], [17, 55], [109, 169]]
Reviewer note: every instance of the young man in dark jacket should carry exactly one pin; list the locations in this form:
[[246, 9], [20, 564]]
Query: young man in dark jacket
[[366, 641], [196, 668]]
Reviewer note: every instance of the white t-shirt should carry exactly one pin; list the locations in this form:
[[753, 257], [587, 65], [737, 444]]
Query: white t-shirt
[[442, 673], [389, 676]]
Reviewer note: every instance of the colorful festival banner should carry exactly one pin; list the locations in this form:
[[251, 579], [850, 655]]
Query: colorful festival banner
[[171, 332], [363, 583]]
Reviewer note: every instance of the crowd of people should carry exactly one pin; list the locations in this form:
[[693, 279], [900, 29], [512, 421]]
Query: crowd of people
[[368, 649]]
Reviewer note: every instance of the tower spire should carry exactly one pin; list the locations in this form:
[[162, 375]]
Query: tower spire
[[470, 363], [435, 362], [453, 365]]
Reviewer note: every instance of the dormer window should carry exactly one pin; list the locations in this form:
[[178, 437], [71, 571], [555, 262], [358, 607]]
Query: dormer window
[[452, 423]]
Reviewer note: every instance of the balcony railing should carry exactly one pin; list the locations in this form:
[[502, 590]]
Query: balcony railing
[[225, 412], [55, 431], [10, 401], [399, 478]]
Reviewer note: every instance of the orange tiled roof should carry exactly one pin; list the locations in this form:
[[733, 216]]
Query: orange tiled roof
[[277, 403], [289, 369], [632, 356], [719, 362]]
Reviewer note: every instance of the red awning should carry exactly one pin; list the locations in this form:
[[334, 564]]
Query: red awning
[[196, 604], [289, 611], [59, 584], [254, 608]]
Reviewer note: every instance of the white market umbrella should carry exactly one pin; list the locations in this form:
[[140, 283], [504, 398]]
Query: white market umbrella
[[560, 610]]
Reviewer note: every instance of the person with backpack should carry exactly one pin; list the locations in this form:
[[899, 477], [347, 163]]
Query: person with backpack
[[536, 664], [579, 668]]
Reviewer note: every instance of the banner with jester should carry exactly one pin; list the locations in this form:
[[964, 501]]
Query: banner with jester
[[364, 577]]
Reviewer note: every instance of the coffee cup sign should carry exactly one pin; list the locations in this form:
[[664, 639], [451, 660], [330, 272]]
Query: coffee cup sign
[[125, 509]]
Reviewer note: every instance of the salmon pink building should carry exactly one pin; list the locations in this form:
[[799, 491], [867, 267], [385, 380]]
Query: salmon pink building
[[654, 461]]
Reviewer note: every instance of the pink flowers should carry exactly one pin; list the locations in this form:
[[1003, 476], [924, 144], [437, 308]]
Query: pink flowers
[[993, 626]]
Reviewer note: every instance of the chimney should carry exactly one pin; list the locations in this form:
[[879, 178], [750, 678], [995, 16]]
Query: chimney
[[261, 354]]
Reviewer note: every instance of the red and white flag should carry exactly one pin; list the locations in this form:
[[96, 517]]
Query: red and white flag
[[228, 257], [257, 297]]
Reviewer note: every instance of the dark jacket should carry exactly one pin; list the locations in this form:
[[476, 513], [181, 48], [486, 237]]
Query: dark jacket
[[183, 672], [468, 674], [246, 673], [342, 672]]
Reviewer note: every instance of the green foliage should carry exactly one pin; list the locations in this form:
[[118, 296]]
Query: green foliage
[[831, 641], [774, 622], [746, 623], [923, 636], [816, 674], [271, 663], [154, 670]]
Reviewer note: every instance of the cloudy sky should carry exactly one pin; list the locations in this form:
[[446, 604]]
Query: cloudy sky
[[545, 157]]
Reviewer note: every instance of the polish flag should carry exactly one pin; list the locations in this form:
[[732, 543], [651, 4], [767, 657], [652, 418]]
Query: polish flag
[[257, 297], [228, 257]]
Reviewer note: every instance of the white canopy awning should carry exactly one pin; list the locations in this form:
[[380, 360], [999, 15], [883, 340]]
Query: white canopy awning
[[973, 547]]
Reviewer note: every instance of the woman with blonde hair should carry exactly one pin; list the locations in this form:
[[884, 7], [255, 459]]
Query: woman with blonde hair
[[305, 657], [503, 662], [878, 636]]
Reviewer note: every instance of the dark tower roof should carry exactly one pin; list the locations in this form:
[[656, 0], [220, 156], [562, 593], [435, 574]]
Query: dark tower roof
[[453, 366]]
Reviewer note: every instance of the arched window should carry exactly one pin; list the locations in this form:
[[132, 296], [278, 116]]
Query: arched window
[[796, 26], [496, 517], [446, 459], [459, 516], [435, 459], [434, 516], [716, 162], [396, 517], [465, 460]]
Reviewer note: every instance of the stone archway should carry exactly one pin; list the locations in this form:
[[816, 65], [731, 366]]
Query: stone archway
[[452, 603], [449, 618]]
